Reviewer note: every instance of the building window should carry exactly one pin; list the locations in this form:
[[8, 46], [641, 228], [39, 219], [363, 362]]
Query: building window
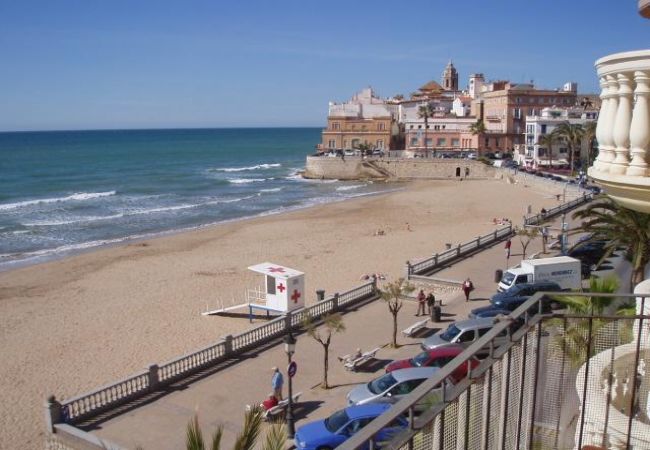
[[380, 126], [487, 142], [380, 143], [419, 127], [331, 143], [496, 142], [564, 150], [428, 142], [411, 127], [345, 144], [441, 142], [543, 129], [541, 151], [336, 126], [455, 142], [414, 142]]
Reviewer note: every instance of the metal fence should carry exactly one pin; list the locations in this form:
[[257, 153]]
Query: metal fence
[[567, 379], [83, 407]]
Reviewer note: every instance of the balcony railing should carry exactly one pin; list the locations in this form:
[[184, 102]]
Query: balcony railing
[[623, 129], [550, 380]]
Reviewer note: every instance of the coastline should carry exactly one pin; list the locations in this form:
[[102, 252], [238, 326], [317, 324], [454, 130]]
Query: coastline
[[73, 324]]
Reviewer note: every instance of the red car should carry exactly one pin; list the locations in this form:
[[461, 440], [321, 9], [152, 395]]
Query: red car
[[435, 358]]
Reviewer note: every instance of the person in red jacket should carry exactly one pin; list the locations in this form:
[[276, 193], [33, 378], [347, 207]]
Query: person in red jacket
[[270, 402]]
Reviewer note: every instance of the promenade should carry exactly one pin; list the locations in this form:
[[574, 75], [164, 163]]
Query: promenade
[[220, 398]]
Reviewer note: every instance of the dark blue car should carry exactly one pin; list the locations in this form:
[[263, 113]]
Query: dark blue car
[[488, 311], [330, 433], [518, 294]]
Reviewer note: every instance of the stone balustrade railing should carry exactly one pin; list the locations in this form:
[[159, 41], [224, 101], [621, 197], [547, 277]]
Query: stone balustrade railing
[[78, 409], [623, 130]]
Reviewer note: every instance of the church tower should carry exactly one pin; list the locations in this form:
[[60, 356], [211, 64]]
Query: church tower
[[450, 78]]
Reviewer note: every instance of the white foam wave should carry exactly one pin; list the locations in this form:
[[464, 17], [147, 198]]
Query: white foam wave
[[241, 169], [271, 190], [54, 223], [246, 180], [349, 188], [79, 196]]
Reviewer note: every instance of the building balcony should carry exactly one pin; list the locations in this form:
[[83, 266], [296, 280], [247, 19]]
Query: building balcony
[[623, 130]]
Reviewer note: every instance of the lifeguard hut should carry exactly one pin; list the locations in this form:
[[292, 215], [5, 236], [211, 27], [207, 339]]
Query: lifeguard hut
[[283, 290]]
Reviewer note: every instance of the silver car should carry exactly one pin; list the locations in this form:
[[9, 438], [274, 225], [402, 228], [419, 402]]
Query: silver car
[[393, 386], [465, 333]]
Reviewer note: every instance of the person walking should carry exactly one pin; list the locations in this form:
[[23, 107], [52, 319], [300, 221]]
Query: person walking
[[421, 302], [468, 287], [277, 382], [431, 300], [508, 245]]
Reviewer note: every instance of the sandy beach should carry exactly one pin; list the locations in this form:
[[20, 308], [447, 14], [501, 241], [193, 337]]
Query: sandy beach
[[72, 325]]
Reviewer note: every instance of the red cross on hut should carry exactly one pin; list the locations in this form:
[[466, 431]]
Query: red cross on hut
[[283, 287]]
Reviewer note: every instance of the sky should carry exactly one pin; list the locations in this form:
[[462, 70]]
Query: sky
[[91, 64]]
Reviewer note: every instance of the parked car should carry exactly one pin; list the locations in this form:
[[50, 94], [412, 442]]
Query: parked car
[[518, 294], [393, 386], [463, 332], [589, 252], [487, 311], [329, 433], [348, 152], [438, 357]]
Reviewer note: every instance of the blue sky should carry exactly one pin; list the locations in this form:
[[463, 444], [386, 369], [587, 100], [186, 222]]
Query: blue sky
[[136, 64]]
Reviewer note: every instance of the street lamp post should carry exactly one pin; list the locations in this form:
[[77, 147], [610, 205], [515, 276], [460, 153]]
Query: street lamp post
[[289, 348]]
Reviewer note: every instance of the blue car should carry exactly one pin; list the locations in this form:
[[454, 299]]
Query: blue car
[[330, 433], [488, 311]]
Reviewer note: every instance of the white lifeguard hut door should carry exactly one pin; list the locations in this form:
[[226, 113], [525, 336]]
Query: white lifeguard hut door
[[285, 287]]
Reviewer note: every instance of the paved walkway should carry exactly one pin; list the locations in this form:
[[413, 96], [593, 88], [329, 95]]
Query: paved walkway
[[220, 398]]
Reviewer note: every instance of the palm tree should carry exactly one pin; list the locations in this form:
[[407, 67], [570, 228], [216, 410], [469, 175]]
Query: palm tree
[[333, 323], [620, 227], [572, 134], [275, 439], [477, 129], [589, 136], [392, 294], [548, 140], [425, 112]]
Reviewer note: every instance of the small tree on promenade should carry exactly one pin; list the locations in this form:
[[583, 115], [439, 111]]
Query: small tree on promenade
[[392, 294], [332, 323], [526, 236]]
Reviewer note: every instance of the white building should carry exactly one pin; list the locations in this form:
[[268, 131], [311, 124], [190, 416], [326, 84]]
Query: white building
[[363, 105], [531, 154]]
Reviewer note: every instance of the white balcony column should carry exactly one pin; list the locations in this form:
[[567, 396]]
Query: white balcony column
[[601, 124], [608, 146], [622, 124], [640, 127]]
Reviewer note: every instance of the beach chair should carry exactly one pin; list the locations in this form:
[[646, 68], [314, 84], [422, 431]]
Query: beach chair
[[408, 332], [353, 363], [278, 409]]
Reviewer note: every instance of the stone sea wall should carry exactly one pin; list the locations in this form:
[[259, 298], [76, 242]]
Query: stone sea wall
[[353, 168]]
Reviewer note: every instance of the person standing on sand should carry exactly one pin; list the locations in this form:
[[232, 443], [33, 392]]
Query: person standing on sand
[[431, 300], [421, 302], [276, 382], [468, 287]]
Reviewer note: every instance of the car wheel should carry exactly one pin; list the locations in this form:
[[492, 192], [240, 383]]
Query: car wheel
[[324, 448]]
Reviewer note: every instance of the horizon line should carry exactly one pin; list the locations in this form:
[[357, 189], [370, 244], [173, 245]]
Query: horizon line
[[157, 129]]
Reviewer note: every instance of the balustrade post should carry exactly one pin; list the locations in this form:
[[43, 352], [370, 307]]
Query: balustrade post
[[52, 413], [622, 125], [227, 344], [478, 242], [640, 127], [495, 235], [409, 270], [435, 259], [336, 301], [458, 250], [287, 322], [606, 146], [153, 377]]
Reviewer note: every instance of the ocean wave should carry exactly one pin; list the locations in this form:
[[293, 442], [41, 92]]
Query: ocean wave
[[241, 169], [245, 180], [54, 223], [79, 196], [349, 188], [271, 190]]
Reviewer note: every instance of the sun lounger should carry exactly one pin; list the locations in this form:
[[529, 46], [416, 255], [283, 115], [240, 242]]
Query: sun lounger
[[279, 408], [352, 363], [415, 327]]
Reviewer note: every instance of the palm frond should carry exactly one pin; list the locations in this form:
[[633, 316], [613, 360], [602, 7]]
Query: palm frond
[[194, 436], [276, 437], [216, 438], [251, 431]]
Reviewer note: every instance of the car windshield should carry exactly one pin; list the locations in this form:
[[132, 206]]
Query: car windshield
[[420, 359], [451, 332], [508, 278], [336, 421], [382, 383]]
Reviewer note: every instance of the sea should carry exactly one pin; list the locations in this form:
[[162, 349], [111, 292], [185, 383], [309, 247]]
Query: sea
[[65, 192]]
